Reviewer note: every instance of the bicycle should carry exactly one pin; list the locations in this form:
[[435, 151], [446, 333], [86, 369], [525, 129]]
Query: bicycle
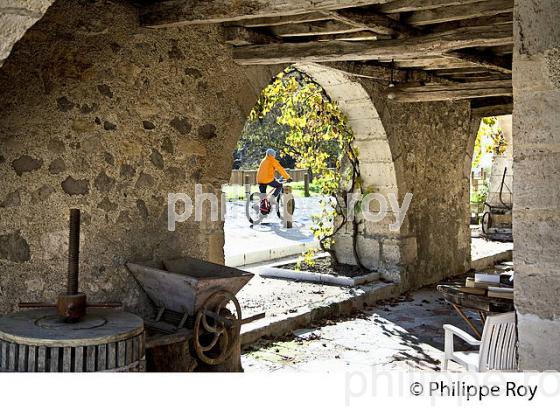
[[253, 206]]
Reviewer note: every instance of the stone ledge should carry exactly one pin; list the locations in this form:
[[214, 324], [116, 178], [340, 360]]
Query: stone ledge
[[327, 309]]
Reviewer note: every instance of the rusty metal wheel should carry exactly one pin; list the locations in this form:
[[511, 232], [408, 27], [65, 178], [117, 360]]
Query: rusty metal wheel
[[215, 329]]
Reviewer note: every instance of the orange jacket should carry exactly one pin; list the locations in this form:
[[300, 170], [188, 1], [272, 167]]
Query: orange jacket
[[268, 165]]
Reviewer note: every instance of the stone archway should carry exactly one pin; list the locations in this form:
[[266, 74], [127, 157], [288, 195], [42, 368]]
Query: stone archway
[[379, 246], [15, 21]]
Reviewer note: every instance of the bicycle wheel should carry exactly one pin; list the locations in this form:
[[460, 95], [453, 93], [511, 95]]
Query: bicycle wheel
[[253, 208], [280, 207], [486, 222]]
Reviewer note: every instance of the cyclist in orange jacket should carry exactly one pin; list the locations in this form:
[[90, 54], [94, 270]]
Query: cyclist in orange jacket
[[265, 175]]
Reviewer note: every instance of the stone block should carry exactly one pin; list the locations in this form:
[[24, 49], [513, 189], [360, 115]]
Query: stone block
[[536, 342], [378, 174], [368, 129], [373, 151], [537, 180]]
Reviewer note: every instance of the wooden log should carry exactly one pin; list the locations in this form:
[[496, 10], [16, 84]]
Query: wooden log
[[460, 12], [354, 36], [492, 63], [433, 63], [490, 107], [317, 28], [173, 13], [240, 36], [281, 20], [489, 21], [377, 22], [409, 48], [450, 92], [404, 6]]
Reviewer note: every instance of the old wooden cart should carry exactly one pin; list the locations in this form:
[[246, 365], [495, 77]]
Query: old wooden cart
[[196, 301]]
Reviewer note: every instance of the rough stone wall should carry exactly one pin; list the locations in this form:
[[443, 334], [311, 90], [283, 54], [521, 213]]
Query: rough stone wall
[[16, 17], [100, 114], [431, 145], [536, 150]]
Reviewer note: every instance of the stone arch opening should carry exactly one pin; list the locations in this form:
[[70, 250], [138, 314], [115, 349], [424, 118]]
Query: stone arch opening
[[378, 244], [485, 184]]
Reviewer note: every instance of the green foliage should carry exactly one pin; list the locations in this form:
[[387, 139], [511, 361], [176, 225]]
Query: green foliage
[[480, 196], [259, 134], [490, 139], [318, 138]]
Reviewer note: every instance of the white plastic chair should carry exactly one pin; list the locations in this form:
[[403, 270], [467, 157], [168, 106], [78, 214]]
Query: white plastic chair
[[497, 347]]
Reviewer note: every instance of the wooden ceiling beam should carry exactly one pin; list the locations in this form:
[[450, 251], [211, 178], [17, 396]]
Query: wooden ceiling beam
[[490, 62], [357, 36], [176, 12], [490, 21], [461, 12], [377, 22], [408, 48], [317, 28], [241, 36], [450, 92], [282, 20], [492, 106], [404, 6], [384, 73]]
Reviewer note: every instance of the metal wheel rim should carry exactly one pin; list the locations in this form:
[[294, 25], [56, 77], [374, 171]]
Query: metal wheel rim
[[227, 340]]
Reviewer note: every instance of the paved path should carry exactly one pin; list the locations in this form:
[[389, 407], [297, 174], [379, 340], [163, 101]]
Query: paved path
[[246, 244], [405, 334]]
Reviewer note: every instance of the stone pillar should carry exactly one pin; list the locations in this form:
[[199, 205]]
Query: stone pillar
[[536, 219]]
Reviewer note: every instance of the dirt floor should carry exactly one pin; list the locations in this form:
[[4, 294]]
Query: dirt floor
[[279, 297], [404, 333], [324, 266]]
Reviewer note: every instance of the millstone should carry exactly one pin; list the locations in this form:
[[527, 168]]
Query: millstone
[[37, 340]]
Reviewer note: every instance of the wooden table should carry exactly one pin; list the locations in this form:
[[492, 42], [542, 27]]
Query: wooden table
[[482, 304]]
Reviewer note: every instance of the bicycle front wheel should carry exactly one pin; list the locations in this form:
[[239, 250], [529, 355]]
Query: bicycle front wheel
[[280, 208]]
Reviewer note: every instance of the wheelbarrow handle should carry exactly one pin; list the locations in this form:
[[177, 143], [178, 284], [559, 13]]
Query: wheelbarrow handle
[[233, 322]]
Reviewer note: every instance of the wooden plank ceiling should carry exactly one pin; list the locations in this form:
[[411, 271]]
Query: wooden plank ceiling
[[436, 49]]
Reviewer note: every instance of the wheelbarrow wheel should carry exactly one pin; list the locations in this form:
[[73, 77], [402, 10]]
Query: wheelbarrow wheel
[[216, 330]]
